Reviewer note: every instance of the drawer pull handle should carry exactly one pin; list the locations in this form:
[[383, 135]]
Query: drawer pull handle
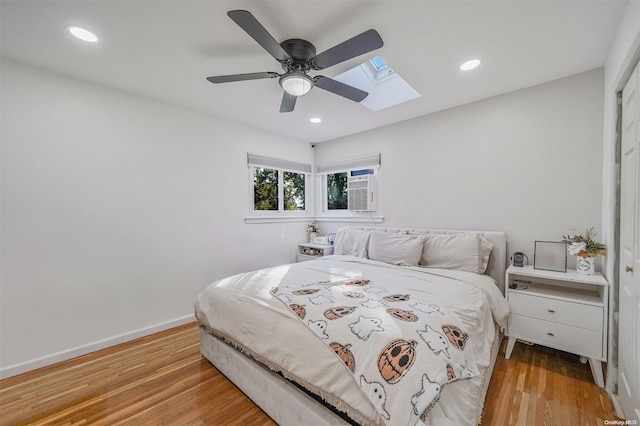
[[628, 268], [551, 311], [550, 334]]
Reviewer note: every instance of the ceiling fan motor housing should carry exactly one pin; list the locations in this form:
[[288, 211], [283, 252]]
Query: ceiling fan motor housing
[[301, 52]]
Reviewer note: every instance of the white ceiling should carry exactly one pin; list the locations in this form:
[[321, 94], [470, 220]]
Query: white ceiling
[[166, 49]]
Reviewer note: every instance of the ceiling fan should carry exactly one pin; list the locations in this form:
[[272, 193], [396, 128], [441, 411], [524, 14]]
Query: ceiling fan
[[297, 57]]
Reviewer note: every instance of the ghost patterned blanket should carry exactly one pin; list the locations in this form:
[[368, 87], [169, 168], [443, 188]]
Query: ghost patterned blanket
[[400, 344]]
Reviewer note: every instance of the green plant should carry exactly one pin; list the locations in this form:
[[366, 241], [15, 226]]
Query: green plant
[[582, 244]]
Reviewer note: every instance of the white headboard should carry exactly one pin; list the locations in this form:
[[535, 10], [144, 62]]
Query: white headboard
[[497, 260]]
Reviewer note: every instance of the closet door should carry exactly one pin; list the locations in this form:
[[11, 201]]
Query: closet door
[[629, 320]]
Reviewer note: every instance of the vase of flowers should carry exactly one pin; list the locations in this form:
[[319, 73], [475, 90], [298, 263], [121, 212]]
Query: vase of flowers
[[312, 230], [586, 249]]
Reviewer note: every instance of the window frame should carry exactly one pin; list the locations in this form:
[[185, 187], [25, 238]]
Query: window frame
[[348, 166], [281, 166]]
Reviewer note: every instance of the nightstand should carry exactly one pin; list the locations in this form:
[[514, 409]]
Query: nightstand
[[310, 251], [562, 310]]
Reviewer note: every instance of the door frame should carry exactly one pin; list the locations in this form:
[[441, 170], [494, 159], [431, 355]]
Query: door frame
[[612, 267]]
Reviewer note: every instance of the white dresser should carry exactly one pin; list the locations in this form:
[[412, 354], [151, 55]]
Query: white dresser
[[562, 310]]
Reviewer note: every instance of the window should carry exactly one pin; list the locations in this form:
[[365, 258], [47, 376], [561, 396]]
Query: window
[[265, 189], [294, 191], [337, 191], [349, 186], [278, 187]]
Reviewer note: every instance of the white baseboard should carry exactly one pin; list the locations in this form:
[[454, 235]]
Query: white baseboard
[[23, 367], [616, 405]]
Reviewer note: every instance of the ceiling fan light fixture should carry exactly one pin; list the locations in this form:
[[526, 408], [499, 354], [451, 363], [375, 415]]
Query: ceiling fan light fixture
[[296, 83]]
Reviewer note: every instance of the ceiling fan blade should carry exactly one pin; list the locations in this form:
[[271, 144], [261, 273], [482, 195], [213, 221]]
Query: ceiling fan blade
[[288, 102], [242, 77], [250, 24], [355, 46], [344, 90]]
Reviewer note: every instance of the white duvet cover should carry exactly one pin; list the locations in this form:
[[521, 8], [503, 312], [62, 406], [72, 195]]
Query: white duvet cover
[[242, 310]]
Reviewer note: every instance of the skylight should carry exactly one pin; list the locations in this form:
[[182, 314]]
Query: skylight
[[378, 63], [385, 87]]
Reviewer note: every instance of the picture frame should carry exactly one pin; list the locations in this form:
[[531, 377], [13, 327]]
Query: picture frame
[[550, 256], [321, 239]]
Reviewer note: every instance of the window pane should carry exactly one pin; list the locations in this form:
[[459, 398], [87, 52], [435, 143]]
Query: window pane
[[337, 191], [265, 189], [293, 191]]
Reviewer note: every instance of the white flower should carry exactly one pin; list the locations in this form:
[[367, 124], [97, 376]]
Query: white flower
[[313, 227], [576, 248]]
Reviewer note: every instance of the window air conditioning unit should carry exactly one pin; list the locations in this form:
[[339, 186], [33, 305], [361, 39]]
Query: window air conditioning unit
[[361, 191]]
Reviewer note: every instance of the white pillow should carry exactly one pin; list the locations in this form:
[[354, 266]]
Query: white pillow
[[351, 241], [485, 250], [464, 251], [396, 249]]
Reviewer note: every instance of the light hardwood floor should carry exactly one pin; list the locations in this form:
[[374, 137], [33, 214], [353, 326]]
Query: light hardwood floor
[[163, 380]]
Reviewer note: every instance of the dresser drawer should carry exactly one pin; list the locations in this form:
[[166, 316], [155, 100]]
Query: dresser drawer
[[564, 337], [559, 311]]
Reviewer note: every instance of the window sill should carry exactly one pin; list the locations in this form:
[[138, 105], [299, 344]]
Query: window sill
[[277, 219], [331, 218], [350, 219]]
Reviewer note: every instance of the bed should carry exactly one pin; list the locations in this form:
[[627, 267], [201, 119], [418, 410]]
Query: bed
[[421, 309]]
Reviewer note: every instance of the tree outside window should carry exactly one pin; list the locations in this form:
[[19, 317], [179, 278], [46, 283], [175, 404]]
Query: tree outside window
[[265, 189], [337, 196], [294, 197]]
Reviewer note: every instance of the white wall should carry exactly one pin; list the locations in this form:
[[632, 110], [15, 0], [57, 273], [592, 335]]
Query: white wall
[[527, 162], [116, 211]]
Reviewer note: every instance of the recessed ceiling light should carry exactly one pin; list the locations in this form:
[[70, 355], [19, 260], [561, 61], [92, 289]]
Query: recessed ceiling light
[[315, 120], [469, 65], [82, 34]]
